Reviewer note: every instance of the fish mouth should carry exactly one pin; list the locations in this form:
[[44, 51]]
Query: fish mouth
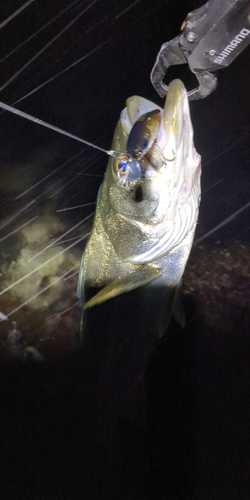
[[153, 140], [159, 192]]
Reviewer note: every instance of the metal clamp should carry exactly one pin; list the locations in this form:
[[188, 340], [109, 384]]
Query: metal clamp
[[171, 54]]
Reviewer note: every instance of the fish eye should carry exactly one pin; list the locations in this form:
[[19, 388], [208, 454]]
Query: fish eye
[[126, 167], [120, 163]]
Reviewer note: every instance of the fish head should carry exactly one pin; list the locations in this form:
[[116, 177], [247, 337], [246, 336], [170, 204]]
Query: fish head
[[152, 179]]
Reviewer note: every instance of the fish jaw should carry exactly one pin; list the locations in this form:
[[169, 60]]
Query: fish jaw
[[145, 230]]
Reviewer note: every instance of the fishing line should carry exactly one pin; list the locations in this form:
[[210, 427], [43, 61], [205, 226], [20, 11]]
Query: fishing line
[[31, 118]]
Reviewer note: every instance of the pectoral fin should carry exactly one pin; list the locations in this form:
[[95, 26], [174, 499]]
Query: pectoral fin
[[140, 276]]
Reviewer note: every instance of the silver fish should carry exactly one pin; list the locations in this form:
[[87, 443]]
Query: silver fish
[[147, 208]]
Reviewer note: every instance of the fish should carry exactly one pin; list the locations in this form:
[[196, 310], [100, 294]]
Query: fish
[[146, 214]]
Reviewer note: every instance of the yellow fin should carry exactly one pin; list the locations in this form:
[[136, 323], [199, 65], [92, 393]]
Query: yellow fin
[[138, 277]]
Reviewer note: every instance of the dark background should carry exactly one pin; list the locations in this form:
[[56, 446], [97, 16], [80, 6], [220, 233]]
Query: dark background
[[198, 381]]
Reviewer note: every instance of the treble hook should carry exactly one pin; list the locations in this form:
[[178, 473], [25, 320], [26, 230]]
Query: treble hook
[[172, 159]]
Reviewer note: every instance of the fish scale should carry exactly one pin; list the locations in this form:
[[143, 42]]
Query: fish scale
[[145, 242]]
